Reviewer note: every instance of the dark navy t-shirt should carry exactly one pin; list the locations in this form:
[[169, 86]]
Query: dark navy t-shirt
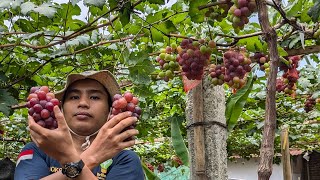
[[33, 163]]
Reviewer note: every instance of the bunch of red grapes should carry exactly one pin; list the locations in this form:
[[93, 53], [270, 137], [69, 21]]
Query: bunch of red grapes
[[40, 103], [236, 66], [194, 56], [168, 63], [309, 104], [126, 102], [290, 75], [240, 11]]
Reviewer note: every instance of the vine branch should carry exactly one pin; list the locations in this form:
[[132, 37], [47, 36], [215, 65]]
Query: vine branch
[[212, 4], [267, 145]]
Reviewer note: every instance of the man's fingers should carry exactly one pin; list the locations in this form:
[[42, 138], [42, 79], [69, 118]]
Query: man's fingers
[[34, 137], [118, 118], [126, 144], [127, 134], [59, 117], [124, 123], [35, 127]]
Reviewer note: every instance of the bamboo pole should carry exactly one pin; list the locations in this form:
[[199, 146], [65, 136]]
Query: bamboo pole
[[200, 160], [286, 164]]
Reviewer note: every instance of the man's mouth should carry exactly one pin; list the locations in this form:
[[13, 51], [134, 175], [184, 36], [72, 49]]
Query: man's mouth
[[82, 115]]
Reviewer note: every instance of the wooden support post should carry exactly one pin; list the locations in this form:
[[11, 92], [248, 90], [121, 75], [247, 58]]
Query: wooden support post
[[199, 145], [286, 164]]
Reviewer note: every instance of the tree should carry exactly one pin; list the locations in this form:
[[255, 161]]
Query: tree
[[43, 41]]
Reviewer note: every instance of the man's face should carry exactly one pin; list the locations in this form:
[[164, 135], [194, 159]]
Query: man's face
[[86, 106]]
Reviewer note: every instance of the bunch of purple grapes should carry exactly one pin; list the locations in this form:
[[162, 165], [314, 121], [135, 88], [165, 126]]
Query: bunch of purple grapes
[[237, 65], [194, 56], [40, 103]]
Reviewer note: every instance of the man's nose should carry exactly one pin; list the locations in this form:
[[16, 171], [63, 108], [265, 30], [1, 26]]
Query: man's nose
[[84, 102]]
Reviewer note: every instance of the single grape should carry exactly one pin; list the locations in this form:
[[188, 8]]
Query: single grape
[[37, 108], [41, 95], [45, 113]]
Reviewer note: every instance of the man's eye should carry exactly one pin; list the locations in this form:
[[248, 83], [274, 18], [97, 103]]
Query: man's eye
[[95, 97], [74, 97]]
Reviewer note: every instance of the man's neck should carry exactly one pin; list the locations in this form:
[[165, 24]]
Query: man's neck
[[79, 141]]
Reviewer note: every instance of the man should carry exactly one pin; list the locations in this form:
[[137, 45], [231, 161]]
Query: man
[[85, 145]]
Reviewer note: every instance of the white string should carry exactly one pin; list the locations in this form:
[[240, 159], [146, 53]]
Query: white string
[[87, 142]]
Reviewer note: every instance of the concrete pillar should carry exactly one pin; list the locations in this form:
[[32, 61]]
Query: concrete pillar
[[214, 132]]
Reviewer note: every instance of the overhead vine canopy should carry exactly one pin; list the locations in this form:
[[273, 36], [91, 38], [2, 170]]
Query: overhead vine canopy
[[42, 41]]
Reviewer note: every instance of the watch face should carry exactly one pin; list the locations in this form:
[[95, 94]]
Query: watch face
[[72, 171]]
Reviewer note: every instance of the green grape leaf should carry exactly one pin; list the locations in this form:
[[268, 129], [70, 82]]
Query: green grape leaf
[[294, 8], [125, 13], [314, 12], [194, 13], [281, 51], [139, 73], [236, 102], [98, 3], [5, 4], [136, 58], [113, 3], [27, 7], [6, 101], [178, 142], [156, 1], [150, 175], [45, 9]]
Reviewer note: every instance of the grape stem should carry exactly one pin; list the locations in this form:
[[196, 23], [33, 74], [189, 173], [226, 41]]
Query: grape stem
[[286, 62]]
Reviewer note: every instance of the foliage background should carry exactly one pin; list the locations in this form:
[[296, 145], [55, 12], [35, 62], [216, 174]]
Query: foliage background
[[41, 42]]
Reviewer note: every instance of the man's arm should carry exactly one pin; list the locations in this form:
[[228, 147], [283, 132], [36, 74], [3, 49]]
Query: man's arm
[[34, 164]]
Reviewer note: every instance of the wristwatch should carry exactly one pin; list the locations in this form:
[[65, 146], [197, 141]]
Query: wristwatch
[[73, 169]]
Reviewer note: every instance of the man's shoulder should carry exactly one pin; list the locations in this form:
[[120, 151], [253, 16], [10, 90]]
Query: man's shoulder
[[32, 148], [31, 145], [126, 156]]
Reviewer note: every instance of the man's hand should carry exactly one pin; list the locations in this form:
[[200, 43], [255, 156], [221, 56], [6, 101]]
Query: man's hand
[[56, 143], [110, 140]]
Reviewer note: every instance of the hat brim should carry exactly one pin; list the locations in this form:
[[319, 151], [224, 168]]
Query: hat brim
[[104, 77]]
